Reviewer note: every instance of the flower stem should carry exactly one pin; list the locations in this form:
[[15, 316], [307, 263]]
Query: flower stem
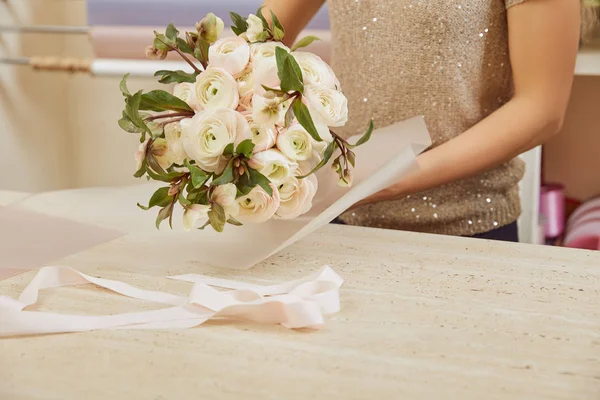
[[170, 115], [182, 56]]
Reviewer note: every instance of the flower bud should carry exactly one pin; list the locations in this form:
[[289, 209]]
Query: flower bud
[[345, 179], [151, 52], [210, 27]]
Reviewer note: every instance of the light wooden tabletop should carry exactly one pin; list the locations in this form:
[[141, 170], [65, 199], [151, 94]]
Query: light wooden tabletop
[[423, 317]]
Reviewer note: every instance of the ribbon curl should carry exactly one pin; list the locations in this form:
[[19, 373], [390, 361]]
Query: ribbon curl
[[296, 304]]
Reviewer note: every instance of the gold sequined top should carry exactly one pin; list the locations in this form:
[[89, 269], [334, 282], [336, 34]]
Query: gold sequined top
[[448, 61]]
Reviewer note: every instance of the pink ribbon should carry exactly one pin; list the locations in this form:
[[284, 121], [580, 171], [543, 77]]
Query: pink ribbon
[[296, 304], [552, 207]]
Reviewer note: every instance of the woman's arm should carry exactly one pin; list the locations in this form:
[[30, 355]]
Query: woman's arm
[[294, 15], [543, 43]]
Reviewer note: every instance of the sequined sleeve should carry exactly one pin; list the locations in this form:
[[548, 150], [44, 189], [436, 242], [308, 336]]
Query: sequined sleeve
[[510, 3]]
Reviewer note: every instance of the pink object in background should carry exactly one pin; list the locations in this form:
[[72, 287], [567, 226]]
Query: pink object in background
[[583, 228], [552, 207]]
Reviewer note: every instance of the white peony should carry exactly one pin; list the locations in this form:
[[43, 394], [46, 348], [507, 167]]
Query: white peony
[[206, 135], [274, 165], [225, 195], [185, 91], [215, 88], [255, 28], [330, 105], [296, 196], [232, 54], [193, 214], [315, 71], [173, 133], [265, 51], [263, 135], [257, 206], [295, 143]]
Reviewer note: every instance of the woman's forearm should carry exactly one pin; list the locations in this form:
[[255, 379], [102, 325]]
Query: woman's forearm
[[518, 126], [293, 14]]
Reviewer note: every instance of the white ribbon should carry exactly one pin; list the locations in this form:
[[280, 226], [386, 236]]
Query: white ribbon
[[295, 304]]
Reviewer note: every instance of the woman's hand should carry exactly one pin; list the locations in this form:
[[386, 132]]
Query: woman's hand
[[543, 44]]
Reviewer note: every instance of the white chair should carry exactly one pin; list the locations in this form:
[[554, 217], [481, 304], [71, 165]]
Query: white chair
[[529, 190]]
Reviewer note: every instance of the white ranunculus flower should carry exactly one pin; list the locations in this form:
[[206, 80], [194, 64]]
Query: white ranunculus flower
[[295, 143], [185, 92], [263, 135], [296, 196], [267, 108], [315, 71], [274, 165], [173, 133], [265, 51], [255, 28], [246, 82], [226, 195], [215, 88], [193, 214], [265, 73], [257, 206], [330, 105], [232, 54], [206, 135]]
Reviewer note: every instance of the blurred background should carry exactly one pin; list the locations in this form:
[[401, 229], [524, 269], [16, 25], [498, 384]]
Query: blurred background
[[59, 130]]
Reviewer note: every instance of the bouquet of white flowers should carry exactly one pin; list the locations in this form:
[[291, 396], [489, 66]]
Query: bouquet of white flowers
[[240, 138]]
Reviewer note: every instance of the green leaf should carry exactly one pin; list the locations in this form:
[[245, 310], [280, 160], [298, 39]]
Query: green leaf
[[234, 221], [164, 176], [217, 217], [201, 50], [245, 148], [259, 179], [182, 200], [226, 175], [163, 214], [127, 125], [132, 106], [239, 23], [228, 151], [159, 100], [289, 114], [154, 165], [351, 157], [364, 138], [199, 177], [160, 198], [305, 41], [277, 26], [243, 190], [140, 172], [326, 157], [172, 33], [161, 42], [263, 36], [123, 86], [277, 91], [260, 15], [184, 46], [175, 76], [278, 34], [288, 71], [305, 119]]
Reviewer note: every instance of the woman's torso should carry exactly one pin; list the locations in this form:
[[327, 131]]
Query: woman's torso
[[445, 60]]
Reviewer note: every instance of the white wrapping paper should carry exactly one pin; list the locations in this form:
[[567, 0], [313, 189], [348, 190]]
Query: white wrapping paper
[[388, 157], [382, 161]]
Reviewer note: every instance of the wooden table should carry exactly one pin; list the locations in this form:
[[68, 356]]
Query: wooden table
[[423, 317]]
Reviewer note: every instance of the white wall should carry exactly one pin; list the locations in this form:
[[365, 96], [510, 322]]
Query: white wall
[[34, 134]]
